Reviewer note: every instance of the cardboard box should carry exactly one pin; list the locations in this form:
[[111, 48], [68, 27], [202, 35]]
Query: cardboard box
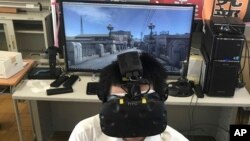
[[10, 63], [8, 10]]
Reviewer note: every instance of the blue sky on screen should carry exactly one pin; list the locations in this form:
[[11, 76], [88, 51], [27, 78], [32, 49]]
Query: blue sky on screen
[[96, 18]]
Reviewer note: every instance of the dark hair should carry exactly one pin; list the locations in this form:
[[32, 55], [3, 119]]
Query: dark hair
[[153, 71]]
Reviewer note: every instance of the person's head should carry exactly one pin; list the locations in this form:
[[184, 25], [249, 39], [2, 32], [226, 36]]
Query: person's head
[[153, 71], [141, 114]]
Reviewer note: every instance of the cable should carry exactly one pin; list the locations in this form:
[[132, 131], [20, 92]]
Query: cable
[[190, 118], [195, 105], [198, 126], [246, 55], [203, 19], [240, 73], [229, 9]]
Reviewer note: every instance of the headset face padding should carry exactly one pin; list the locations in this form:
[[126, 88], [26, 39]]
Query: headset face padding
[[122, 117]]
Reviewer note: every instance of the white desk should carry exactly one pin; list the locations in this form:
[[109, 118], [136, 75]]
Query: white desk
[[48, 111]]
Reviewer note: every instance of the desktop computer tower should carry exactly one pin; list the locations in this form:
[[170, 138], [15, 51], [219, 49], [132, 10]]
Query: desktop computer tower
[[222, 46], [219, 78], [221, 54]]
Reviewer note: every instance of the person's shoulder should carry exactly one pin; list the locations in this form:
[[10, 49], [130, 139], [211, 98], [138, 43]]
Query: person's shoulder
[[87, 129], [170, 134], [89, 123]]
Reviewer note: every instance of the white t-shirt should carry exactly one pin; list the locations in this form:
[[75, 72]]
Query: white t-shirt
[[89, 130]]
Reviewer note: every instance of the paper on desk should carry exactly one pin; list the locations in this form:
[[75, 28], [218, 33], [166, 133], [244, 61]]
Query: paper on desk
[[38, 86]]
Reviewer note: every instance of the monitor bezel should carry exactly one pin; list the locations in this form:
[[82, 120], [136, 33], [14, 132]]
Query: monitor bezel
[[68, 69]]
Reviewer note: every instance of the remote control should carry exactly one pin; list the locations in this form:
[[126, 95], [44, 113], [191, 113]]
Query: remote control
[[72, 79], [92, 88], [59, 81], [59, 91]]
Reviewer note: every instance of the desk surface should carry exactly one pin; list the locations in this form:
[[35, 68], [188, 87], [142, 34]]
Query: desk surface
[[13, 80], [36, 90]]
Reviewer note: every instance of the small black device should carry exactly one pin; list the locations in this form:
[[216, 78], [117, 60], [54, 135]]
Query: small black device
[[71, 80], [52, 51], [198, 91], [59, 91], [92, 88], [129, 70], [180, 89], [59, 81]]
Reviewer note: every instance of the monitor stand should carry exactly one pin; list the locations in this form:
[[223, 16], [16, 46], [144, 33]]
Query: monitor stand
[[180, 88]]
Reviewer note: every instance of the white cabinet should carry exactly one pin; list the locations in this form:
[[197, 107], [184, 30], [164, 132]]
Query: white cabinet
[[3, 40], [28, 33], [7, 35]]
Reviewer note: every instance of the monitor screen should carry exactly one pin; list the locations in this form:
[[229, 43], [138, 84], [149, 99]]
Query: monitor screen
[[96, 32]]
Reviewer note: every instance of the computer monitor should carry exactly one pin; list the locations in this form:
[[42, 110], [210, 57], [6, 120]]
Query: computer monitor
[[96, 32]]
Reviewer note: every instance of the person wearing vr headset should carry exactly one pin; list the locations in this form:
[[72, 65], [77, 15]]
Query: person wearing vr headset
[[132, 90]]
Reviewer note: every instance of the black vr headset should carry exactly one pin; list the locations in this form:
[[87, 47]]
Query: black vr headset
[[136, 114]]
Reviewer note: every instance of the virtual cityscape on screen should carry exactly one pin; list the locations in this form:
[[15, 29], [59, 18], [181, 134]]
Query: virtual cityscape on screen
[[97, 33]]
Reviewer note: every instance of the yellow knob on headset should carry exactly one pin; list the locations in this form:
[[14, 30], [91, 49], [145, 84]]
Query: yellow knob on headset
[[121, 101], [143, 100]]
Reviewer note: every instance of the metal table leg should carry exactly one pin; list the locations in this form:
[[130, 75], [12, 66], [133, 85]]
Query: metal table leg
[[19, 125], [32, 121]]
